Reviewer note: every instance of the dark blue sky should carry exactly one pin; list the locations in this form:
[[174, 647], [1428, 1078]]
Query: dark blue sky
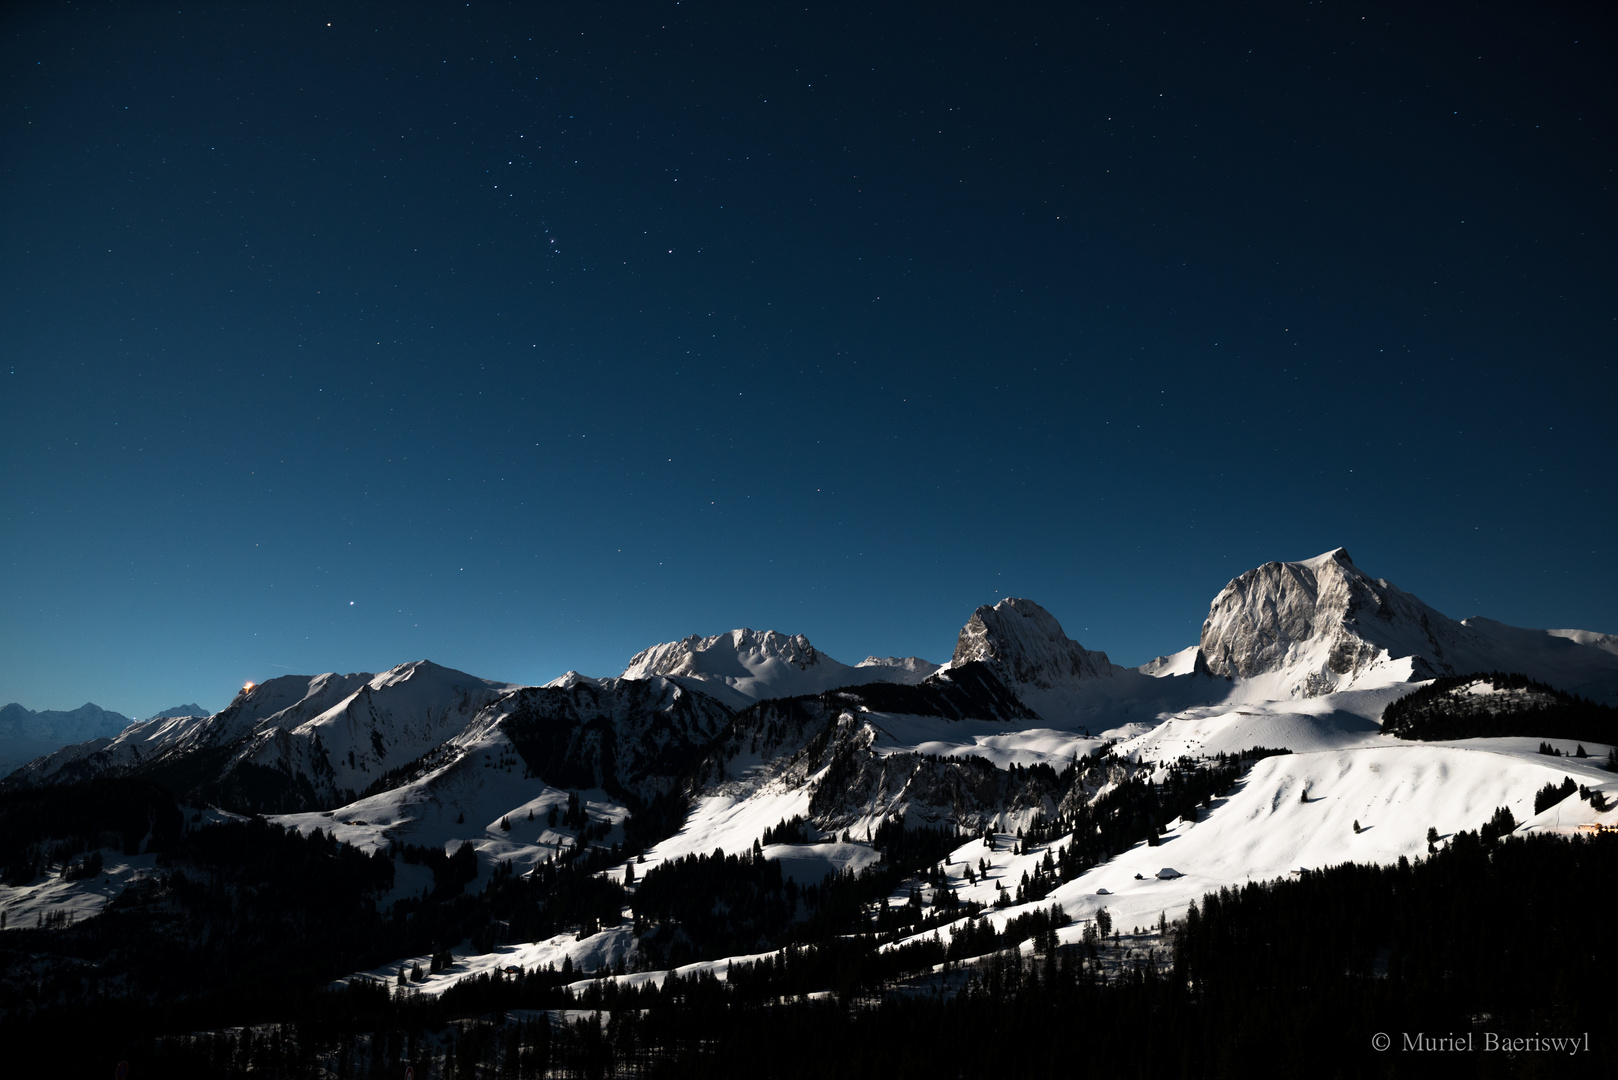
[[521, 337]]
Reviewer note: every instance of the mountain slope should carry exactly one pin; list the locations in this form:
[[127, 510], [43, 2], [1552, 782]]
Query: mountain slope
[[292, 743], [1060, 680], [26, 734], [1302, 629]]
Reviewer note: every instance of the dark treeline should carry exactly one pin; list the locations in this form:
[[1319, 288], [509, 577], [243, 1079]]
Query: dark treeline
[[245, 913], [1436, 711], [52, 824], [1132, 811], [968, 692], [1292, 977], [707, 906]]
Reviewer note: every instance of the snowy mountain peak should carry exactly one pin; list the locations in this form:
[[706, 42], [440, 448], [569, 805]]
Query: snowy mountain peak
[[1026, 646], [424, 671], [1335, 555], [743, 666], [735, 654], [571, 678], [1322, 624], [173, 712], [901, 669], [1311, 627]]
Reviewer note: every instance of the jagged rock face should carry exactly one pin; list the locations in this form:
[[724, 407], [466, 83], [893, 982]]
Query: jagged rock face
[[968, 792], [1313, 627], [1025, 646], [385, 723], [632, 737], [1330, 622], [737, 654], [825, 744]]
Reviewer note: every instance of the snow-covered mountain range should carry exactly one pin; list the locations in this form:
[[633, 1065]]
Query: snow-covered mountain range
[[745, 666], [26, 734], [291, 743], [747, 729]]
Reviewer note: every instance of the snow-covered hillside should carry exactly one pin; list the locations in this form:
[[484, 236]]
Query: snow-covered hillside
[[1299, 811]]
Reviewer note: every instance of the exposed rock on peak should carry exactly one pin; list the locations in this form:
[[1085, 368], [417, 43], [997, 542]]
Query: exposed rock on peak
[[1026, 648], [1025, 645], [1311, 627], [738, 654], [1323, 624]]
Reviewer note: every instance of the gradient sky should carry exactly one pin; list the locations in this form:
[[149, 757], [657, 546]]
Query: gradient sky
[[522, 337]]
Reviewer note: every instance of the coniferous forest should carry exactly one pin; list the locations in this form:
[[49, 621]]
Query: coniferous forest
[[1443, 709], [1290, 977]]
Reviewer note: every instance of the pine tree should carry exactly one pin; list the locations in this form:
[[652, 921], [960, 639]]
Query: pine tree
[[1498, 825]]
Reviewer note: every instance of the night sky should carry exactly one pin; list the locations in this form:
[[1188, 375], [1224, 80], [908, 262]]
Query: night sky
[[521, 337]]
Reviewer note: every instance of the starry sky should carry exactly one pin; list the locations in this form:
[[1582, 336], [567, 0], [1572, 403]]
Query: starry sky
[[524, 336]]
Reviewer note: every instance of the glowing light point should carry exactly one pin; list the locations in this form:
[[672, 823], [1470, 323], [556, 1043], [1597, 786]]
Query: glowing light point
[[247, 687]]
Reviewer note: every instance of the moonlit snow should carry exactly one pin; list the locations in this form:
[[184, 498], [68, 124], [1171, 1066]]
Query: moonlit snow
[[1303, 656]]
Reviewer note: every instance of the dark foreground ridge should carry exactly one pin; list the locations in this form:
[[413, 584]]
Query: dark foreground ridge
[[1292, 977]]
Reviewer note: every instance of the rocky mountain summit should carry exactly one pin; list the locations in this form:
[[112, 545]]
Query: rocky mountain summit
[[1026, 648], [1302, 629]]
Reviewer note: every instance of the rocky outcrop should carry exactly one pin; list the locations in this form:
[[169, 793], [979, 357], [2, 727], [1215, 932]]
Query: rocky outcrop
[[1323, 624], [1026, 648]]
